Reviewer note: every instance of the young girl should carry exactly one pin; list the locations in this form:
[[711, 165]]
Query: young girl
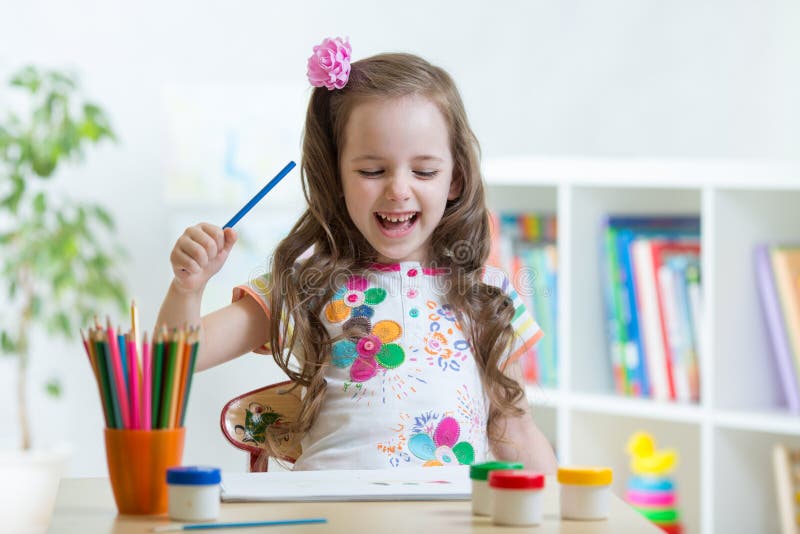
[[379, 302]]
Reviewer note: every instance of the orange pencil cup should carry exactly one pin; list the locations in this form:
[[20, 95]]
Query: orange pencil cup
[[137, 466]]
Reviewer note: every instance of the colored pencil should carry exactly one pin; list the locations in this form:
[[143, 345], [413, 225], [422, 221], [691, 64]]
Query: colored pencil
[[109, 384], [176, 380], [147, 385], [154, 391], [123, 354], [186, 350], [258, 196], [192, 362], [158, 366], [123, 360], [90, 352], [171, 349], [133, 380], [137, 338], [119, 381]]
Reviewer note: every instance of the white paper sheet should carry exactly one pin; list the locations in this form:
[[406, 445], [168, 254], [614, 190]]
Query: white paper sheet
[[408, 484]]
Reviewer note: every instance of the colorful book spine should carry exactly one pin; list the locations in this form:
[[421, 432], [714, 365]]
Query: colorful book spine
[[773, 318], [786, 271], [634, 359], [689, 349], [677, 363], [615, 322], [523, 245], [647, 302]]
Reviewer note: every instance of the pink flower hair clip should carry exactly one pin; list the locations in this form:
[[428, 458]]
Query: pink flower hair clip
[[329, 65]]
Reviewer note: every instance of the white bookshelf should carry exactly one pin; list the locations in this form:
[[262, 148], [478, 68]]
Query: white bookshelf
[[725, 480]]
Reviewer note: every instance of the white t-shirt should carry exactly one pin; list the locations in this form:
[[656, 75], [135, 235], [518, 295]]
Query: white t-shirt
[[403, 387]]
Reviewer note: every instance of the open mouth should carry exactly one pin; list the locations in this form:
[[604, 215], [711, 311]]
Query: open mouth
[[396, 222]]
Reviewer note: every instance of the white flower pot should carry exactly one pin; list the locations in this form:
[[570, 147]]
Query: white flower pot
[[28, 489]]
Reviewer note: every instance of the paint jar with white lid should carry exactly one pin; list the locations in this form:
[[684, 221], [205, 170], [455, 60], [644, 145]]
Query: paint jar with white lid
[[585, 492], [481, 494], [193, 493], [516, 497]]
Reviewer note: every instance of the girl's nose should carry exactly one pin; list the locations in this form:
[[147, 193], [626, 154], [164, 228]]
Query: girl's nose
[[398, 188]]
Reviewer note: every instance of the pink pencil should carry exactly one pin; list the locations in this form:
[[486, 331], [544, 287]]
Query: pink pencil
[[116, 364], [133, 375], [147, 386]]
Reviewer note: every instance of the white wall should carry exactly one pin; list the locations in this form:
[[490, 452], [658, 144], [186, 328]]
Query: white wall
[[650, 78]]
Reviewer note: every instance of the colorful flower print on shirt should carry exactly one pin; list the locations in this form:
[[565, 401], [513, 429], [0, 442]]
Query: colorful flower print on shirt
[[354, 300], [444, 343], [366, 353], [440, 447], [472, 414], [397, 446], [445, 312]]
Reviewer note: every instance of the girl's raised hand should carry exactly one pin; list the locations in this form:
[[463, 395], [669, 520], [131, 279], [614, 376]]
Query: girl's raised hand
[[199, 254]]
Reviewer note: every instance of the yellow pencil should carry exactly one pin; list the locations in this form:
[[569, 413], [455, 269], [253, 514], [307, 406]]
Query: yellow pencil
[[173, 404], [135, 333], [187, 356]]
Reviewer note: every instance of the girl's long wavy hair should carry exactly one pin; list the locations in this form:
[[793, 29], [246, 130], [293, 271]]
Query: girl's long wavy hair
[[460, 244]]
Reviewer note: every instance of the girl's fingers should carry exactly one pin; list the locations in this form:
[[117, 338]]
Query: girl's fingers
[[194, 250], [183, 262], [216, 233], [230, 238], [198, 247], [204, 239]]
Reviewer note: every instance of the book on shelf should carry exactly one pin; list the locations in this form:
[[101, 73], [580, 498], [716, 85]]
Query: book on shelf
[[679, 280], [786, 468], [524, 246], [777, 274], [650, 280], [671, 259]]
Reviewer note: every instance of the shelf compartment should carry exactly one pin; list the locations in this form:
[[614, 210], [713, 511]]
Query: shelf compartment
[[745, 374], [601, 439], [744, 487], [590, 362]]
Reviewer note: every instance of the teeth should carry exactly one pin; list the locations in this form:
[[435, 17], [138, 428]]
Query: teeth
[[395, 219]]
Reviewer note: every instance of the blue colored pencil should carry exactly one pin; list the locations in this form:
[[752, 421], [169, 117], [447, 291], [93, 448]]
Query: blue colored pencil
[[123, 355], [266, 189], [205, 526]]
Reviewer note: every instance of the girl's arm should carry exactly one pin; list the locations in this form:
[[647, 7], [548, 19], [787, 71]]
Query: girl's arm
[[226, 333], [523, 441]]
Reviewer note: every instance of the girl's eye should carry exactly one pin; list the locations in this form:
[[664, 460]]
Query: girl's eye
[[370, 174], [426, 174]]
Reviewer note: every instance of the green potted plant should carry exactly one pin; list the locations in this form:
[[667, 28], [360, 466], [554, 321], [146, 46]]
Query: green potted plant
[[58, 256]]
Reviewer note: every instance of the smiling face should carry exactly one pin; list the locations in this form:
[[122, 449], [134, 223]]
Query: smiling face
[[397, 174]]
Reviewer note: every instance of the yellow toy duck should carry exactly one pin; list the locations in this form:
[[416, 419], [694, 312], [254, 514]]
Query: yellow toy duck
[[646, 460]]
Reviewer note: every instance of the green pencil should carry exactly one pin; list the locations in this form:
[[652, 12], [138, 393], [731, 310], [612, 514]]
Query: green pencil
[[157, 365], [192, 361], [104, 355], [105, 394], [169, 379]]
